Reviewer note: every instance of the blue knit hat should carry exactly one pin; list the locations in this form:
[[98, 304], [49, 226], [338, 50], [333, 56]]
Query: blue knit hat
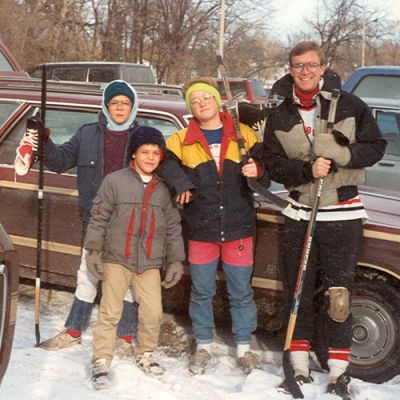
[[118, 88], [144, 135]]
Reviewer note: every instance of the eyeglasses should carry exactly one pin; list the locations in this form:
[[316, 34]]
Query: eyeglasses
[[197, 100], [116, 104], [311, 66]]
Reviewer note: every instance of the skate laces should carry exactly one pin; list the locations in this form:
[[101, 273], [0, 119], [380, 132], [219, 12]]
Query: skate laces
[[31, 138]]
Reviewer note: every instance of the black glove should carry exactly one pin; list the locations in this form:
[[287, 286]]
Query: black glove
[[173, 275], [94, 264]]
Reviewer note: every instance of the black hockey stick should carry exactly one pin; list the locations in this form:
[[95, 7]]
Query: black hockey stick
[[251, 182], [287, 367], [40, 204]]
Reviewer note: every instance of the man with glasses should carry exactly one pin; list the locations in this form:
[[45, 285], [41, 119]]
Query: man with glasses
[[298, 151], [97, 149], [210, 181]]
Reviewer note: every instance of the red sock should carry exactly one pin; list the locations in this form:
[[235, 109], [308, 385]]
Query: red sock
[[72, 333], [127, 338], [339, 353], [299, 345]]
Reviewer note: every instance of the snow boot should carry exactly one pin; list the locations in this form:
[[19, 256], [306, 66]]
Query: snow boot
[[249, 361], [60, 341], [340, 387], [149, 366], [101, 375], [198, 362]]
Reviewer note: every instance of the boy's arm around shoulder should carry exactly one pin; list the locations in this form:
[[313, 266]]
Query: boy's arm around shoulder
[[171, 170]]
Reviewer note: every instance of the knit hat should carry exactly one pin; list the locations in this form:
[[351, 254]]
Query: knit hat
[[144, 135], [205, 87], [117, 88]]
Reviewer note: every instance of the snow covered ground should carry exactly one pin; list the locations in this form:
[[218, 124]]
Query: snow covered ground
[[36, 374]]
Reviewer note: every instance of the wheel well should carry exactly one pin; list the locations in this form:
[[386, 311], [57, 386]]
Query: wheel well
[[370, 273]]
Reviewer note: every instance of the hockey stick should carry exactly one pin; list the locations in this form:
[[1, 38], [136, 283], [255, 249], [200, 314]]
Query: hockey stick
[[251, 182], [40, 205], [287, 367]]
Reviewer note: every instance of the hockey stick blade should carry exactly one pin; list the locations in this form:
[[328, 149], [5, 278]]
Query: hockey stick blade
[[290, 380], [263, 191]]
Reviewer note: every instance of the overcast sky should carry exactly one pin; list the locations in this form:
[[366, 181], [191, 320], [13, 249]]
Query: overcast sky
[[290, 14]]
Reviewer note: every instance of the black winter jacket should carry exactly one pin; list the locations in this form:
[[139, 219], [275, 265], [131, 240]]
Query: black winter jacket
[[288, 154]]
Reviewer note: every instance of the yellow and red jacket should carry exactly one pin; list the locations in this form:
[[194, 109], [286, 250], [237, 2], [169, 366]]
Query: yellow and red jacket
[[222, 207]]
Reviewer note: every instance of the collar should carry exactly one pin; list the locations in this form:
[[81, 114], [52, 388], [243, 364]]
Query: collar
[[195, 135]]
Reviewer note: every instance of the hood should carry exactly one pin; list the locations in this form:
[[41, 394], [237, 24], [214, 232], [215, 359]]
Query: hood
[[133, 95]]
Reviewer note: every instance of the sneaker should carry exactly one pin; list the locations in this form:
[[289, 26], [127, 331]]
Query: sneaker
[[198, 362], [249, 361], [101, 375], [149, 366], [300, 379], [122, 348], [340, 387], [60, 341]]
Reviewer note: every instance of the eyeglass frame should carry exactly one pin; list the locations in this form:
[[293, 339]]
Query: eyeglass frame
[[198, 100], [311, 66]]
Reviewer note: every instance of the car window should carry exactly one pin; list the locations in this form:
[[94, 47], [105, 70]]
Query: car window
[[64, 123], [6, 110], [11, 142], [4, 64], [103, 74], [70, 74], [389, 124], [386, 87], [137, 74], [259, 89], [167, 128], [236, 88]]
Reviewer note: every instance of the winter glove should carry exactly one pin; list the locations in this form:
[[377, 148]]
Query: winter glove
[[326, 146], [94, 264], [173, 275]]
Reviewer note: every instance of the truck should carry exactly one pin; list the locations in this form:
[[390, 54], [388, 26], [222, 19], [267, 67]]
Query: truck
[[379, 87]]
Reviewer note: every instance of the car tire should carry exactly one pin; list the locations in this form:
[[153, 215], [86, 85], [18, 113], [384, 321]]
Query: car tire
[[375, 350]]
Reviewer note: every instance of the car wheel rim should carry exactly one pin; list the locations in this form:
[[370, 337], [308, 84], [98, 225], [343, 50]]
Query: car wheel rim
[[374, 332]]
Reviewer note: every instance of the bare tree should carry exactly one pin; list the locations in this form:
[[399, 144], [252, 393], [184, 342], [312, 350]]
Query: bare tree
[[344, 24]]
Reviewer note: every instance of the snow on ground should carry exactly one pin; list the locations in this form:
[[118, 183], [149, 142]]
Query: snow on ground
[[36, 374]]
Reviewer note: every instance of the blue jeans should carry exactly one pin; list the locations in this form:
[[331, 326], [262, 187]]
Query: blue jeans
[[242, 306], [79, 317]]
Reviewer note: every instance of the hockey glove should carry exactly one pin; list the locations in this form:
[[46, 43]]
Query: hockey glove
[[325, 146], [173, 275], [94, 264]]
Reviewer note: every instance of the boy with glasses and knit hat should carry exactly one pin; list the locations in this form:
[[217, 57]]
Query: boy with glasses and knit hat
[[298, 151], [205, 171], [96, 149]]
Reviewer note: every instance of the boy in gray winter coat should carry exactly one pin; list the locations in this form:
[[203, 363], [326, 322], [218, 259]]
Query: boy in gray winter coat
[[133, 231]]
